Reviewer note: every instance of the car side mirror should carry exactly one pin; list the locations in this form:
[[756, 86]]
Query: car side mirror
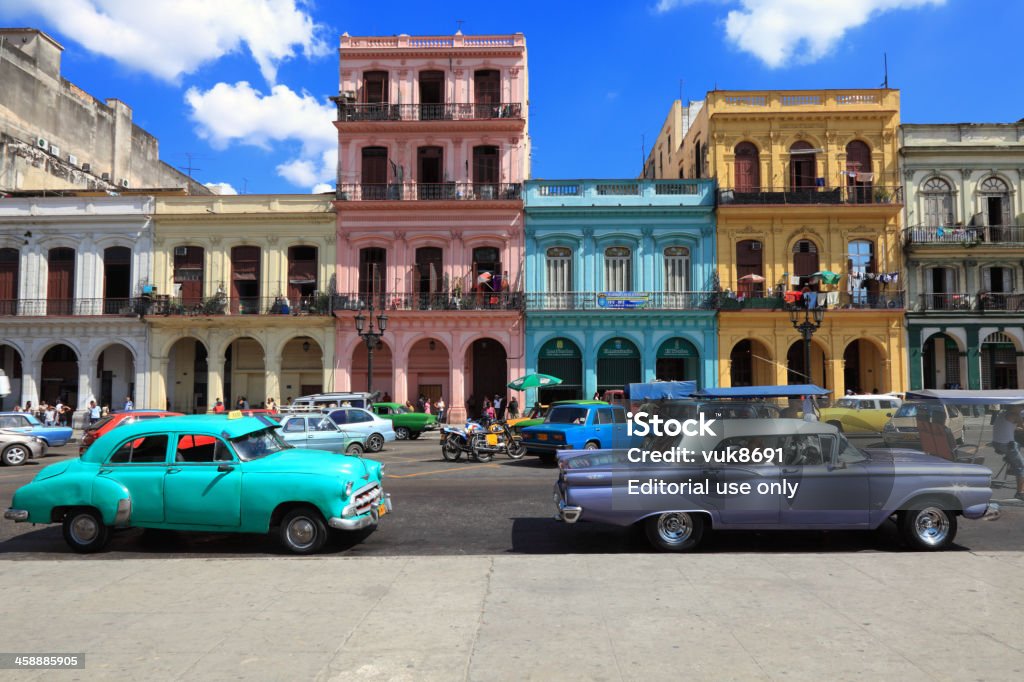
[[224, 468], [888, 414]]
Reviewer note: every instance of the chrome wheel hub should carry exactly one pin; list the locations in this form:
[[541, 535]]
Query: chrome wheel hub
[[931, 525], [675, 527], [301, 532], [84, 529], [16, 455]]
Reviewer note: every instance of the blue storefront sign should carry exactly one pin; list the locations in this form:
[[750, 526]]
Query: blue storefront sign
[[620, 300]]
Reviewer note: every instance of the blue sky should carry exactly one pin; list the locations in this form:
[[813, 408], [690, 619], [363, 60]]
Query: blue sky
[[242, 85]]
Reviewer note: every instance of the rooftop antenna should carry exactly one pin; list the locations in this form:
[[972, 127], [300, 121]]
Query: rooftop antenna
[[643, 151], [189, 168], [460, 22], [885, 65]]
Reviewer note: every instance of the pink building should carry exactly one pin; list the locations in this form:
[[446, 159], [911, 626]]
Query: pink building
[[433, 148]]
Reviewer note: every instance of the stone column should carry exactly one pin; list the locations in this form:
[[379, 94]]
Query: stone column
[[31, 370], [157, 397], [914, 352], [457, 360], [400, 369], [272, 379], [215, 381], [973, 359]]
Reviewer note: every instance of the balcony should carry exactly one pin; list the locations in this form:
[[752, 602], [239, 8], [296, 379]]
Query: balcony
[[799, 101], [626, 193], [889, 300], [593, 300], [354, 112], [994, 235], [70, 307], [445, 191], [847, 195], [316, 304], [452, 301], [980, 303]]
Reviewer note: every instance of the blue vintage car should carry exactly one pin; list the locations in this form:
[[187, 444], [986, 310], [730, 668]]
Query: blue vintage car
[[55, 436], [320, 433], [577, 426], [815, 480], [222, 473]]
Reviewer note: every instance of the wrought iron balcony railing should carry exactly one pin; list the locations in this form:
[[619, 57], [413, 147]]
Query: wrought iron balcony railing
[[985, 302], [69, 307], [315, 304], [843, 300], [444, 191], [426, 112], [436, 301], [623, 300], [959, 235], [857, 195]]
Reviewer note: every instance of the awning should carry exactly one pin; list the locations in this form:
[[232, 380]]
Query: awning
[[959, 397], [662, 390], [741, 392]]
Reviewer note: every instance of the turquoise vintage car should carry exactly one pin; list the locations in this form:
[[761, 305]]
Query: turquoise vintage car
[[215, 473]]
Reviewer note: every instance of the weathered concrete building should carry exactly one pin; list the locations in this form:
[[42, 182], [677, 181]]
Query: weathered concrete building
[[54, 135]]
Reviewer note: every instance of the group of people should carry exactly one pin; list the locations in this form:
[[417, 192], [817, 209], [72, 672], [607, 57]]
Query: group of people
[[424, 405], [493, 408], [59, 413], [270, 405]]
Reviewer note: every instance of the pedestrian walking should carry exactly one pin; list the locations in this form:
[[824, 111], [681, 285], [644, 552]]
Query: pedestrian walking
[[271, 406], [513, 408], [499, 406], [426, 407], [489, 412], [810, 410], [94, 412], [440, 410], [128, 404]]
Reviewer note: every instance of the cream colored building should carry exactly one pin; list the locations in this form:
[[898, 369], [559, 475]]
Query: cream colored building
[[242, 306]]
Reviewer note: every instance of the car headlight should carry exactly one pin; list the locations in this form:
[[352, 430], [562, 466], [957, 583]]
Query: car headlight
[[348, 488], [559, 437]]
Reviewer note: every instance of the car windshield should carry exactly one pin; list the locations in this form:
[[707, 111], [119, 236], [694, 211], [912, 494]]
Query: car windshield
[[399, 410], [567, 415], [848, 453], [906, 410], [258, 444], [101, 423], [847, 403]]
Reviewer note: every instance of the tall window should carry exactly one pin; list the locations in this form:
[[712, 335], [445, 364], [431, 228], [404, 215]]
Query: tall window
[[372, 271], [375, 87], [749, 268], [860, 261], [9, 264], [803, 166], [805, 262], [245, 280], [859, 176], [374, 173], [558, 271], [941, 289], [188, 275], [487, 269], [117, 275], [60, 281], [302, 274], [487, 92], [938, 202], [995, 198], [485, 171], [748, 168], [618, 269], [677, 269], [432, 95]]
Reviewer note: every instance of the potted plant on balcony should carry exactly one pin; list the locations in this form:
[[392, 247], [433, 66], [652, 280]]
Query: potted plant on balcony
[[882, 196]]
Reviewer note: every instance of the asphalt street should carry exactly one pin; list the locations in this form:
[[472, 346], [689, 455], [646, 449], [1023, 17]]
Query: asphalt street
[[469, 508]]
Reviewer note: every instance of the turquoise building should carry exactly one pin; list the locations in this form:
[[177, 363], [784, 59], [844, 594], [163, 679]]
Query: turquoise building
[[620, 280]]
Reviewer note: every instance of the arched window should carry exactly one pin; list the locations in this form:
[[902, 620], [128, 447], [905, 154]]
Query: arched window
[[995, 201], [859, 177], [803, 166], [677, 269], [748, 168], [618, 269], [938, 202], [860, 261], [558, 270]]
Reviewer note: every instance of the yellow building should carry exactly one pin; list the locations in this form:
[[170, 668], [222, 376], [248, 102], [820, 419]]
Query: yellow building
[[241, 305], [808, 183]]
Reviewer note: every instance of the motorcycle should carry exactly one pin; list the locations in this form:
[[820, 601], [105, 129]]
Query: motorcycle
[[457, 441], [480, 443]]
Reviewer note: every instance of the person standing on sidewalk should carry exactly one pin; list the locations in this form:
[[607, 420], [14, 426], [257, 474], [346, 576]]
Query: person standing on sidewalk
[[1003, 427], [513, 408], [440, 410], [94, 412], [128, 404], [499, 406]]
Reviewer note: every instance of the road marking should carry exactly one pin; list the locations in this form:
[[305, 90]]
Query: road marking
[[441, 471]]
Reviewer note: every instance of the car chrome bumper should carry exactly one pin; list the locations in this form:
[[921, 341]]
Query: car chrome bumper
[[363, 521], [566, 513], [18, 515]]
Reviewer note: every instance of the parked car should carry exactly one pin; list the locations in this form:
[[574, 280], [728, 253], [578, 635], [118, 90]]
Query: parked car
[[318, 432], [372, 430], [407, 424], [112, 421], [838, 487], [861, 413], [902, 428], [517, 425], [55, 436], [577, 426], [17, 448], [204, 473], [322, 401]]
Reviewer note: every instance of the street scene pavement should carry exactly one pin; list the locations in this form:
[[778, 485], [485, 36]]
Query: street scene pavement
[[471, 578]]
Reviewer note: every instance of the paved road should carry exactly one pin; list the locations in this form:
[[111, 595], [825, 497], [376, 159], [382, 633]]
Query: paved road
[[468, 508]]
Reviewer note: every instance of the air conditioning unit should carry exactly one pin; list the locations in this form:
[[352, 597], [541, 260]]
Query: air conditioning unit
[[54, 149], [180, 250], [86, 168], [105, 177], [124, 182], [756, 246], [42, 143], [72, 159]]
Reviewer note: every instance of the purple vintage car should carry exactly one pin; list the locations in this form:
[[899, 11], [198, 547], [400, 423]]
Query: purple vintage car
[[770, 474]]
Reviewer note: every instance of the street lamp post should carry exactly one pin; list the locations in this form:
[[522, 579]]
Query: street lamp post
[[806, 323], [371, 338]]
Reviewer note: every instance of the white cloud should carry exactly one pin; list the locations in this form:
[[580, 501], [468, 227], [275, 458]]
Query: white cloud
[[321, 188], [228, 114], [780, 31], [168, 38], [221, 188]]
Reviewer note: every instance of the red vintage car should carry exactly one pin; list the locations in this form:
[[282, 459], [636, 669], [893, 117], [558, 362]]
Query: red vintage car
[[112, 421]]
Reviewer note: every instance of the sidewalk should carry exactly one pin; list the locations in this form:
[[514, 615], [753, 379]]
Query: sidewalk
[[951, 616]]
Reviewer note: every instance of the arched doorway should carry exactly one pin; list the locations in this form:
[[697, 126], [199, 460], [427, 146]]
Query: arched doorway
[[806, 263], [940, 357], [750, 364], [864, 368], [117, 279], [115, 369], [59, 376], [245, 373], [678, 360], [302, 369], [383, 368], [618, 364], [748, 168], [561, 357], [803, 167], [10, 363], [429, 372], [796, 373], [858, 172], [487, 368], [998, 362], [187, 378]]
